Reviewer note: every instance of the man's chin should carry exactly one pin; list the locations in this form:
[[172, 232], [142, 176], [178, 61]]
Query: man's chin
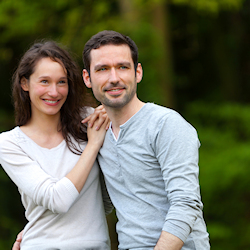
[[116, 104]]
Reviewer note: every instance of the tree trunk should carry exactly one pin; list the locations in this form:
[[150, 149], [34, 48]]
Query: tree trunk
[[165, 66]]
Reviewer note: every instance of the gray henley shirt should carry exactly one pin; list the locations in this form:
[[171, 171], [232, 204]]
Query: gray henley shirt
[[151, 172]]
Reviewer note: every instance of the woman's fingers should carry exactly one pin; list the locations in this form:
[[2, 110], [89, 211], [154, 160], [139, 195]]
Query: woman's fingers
[[98, 118], [16, 245], [100, 107], [92, 118], [101, 121], [95, 115], [86, 119]]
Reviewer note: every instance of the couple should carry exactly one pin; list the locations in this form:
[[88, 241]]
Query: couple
[[148, 156]]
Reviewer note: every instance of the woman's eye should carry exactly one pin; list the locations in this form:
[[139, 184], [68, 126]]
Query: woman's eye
[[44, 81], [63, 82]]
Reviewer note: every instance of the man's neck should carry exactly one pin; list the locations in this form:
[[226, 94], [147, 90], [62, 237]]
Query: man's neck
[[119, 116]]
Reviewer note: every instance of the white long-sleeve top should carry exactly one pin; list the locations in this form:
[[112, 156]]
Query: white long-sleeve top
[[58, 216]]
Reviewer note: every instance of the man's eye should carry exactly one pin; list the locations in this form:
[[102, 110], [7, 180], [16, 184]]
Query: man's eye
[[123, 67], [44, 81], [102, 69]]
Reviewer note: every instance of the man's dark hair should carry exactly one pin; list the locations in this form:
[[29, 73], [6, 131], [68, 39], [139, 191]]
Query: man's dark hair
[[107, 37]]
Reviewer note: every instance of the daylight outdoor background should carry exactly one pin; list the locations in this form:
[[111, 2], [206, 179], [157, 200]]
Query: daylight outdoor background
[[196, 60]]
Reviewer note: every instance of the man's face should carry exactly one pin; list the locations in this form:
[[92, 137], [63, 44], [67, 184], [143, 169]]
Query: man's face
[[112, 75]]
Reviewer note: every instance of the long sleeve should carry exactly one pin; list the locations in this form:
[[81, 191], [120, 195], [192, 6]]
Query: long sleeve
[[55, 194], [177, 147]]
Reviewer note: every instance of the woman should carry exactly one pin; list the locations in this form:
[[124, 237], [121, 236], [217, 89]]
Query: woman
[[51, 158]]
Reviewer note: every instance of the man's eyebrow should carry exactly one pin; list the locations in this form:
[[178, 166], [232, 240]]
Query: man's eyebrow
[[99, 66], [127, 64]]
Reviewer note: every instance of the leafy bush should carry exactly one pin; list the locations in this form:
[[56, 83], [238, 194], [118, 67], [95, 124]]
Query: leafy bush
[[224, 132]]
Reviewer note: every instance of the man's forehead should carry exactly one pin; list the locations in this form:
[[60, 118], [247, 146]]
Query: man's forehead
[[111, 45], [111, 51]]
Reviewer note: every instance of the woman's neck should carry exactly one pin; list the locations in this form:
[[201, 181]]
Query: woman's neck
[[45, 131]]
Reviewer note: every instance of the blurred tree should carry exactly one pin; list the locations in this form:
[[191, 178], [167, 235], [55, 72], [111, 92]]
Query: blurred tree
[[165, 60], [210, 52], [211, 6]]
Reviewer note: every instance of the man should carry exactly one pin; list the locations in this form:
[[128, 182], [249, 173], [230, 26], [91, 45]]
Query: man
[[149, 157]]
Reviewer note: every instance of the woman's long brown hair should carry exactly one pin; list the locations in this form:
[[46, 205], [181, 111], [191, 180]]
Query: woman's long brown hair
[[74, 108]]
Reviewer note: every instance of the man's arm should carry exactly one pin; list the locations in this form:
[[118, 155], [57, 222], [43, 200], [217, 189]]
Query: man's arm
[[168, 241], [177, 151]]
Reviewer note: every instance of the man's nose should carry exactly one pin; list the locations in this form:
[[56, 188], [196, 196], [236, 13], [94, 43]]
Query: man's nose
[[114, 78]]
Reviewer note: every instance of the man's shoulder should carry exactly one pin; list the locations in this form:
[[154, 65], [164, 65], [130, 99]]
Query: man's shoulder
[[161, 112], [163, 116]]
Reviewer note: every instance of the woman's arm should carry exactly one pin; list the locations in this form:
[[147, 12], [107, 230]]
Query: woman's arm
[[52, 193], [79, 174]]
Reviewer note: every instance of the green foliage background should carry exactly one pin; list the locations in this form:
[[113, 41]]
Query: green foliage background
[[196, 60]]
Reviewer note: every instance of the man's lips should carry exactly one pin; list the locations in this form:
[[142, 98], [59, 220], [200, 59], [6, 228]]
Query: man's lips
[[115, 91]]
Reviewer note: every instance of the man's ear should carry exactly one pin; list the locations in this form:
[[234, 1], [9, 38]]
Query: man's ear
[[24, 84], [86, 78], [139, 73]]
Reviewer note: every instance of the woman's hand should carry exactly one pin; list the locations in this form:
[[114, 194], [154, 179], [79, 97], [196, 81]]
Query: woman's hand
[[96, 136], [97, 118], [16, 245]]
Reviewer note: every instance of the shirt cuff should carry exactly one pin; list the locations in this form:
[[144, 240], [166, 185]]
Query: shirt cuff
[[177, 228]]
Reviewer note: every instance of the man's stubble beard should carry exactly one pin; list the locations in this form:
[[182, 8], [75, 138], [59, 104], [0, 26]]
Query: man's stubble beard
[[117, 104]]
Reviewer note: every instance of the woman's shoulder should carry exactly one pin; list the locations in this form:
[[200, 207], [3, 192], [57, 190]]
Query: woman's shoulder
[[9, 138], [7, 135]]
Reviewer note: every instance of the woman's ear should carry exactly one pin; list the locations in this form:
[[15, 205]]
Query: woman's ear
[[24, 84]]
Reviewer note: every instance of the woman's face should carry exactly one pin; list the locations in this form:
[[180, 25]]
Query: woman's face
[[47, 87]]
